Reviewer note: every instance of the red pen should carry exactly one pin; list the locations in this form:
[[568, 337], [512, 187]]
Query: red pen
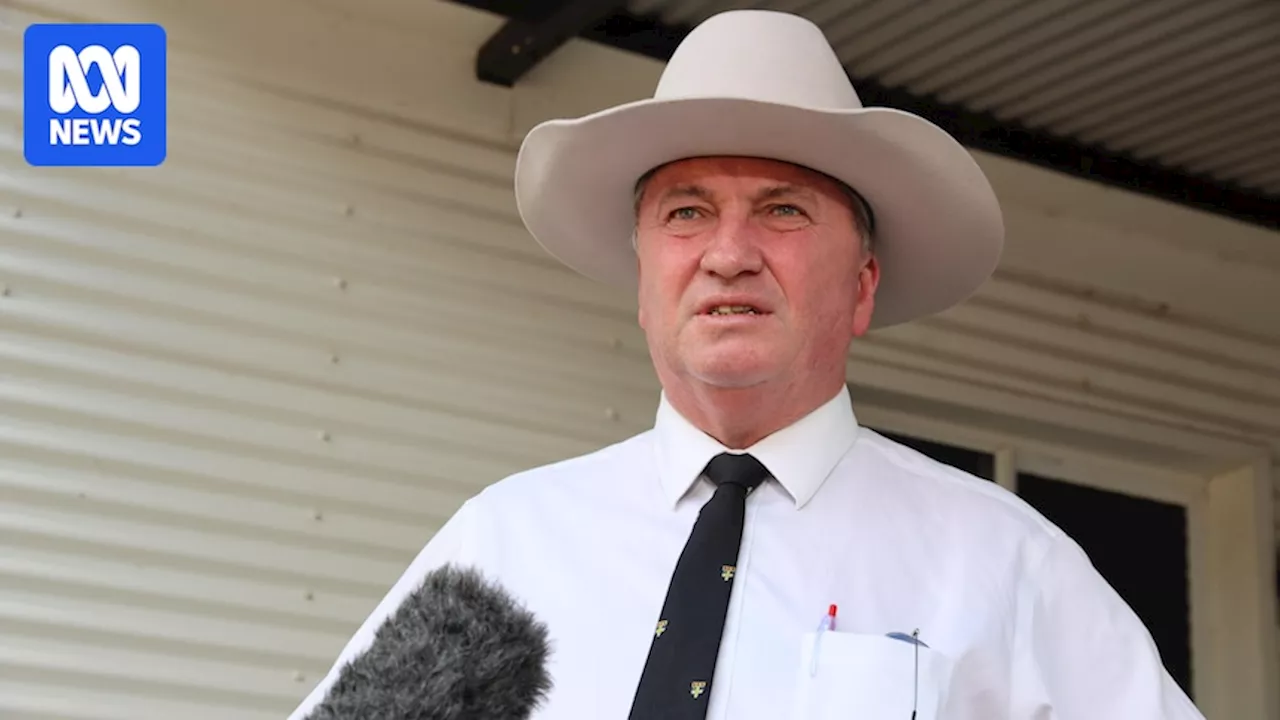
[[828, 624]]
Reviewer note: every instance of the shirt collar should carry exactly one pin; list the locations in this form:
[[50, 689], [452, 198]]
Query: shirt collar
[[799, 456]]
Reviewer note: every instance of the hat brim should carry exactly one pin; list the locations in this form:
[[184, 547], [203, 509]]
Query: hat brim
[[939, 229]]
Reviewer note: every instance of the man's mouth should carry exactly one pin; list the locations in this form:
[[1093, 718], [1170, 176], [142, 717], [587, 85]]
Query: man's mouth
[[734, 310]]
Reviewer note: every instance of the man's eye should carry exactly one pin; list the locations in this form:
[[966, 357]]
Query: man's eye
[[684, 213], [788, 210]]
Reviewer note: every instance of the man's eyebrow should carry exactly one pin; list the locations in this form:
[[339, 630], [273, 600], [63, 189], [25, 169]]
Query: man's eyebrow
[[774, 192], [687, 191], [769, 193]]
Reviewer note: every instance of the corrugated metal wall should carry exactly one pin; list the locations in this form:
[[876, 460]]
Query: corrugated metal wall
[[240, 391]]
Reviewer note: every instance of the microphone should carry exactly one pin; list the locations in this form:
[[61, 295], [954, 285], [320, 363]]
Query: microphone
[[457, 648]]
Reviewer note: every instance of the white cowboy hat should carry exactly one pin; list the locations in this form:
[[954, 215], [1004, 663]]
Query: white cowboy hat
[[767, 84]]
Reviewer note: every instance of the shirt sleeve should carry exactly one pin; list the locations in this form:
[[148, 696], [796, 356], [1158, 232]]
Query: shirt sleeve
[[1089, 655], [452, 543]]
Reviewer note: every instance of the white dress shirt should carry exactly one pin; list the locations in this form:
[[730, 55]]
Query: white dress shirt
[[1016, 622]]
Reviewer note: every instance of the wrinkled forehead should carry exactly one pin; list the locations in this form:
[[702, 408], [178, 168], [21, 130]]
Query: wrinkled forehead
[[703, 171], [707, 170]]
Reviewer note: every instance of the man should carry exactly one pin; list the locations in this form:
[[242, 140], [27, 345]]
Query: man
[[766, 220]]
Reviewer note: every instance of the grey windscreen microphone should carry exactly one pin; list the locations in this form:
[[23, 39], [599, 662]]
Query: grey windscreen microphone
[[459, 647]]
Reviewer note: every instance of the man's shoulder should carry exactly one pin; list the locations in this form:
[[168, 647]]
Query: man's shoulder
[[580, 473], [951, 491]]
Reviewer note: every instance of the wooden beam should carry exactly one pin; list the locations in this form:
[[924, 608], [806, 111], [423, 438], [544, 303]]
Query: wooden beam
[[520, 44]]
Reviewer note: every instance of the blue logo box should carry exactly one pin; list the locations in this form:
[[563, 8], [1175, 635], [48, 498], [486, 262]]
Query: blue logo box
[[94, 95]]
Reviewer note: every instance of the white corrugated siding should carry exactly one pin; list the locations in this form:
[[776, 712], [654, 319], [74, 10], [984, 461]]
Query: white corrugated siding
[[239, 392]]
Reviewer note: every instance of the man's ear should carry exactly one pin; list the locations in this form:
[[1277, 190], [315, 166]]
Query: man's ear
[[639, 285], [868, 280]]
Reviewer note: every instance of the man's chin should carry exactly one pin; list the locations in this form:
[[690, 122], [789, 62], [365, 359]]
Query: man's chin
[[733, 362], [731, 374]]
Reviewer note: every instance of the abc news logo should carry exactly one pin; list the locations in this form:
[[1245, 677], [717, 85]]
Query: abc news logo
[[95, 94], [69, 89]]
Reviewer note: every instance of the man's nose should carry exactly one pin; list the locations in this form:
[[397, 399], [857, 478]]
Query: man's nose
[[733, 249]]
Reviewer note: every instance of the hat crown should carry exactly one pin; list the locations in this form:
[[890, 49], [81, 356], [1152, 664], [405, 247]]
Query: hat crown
[[758, 55]]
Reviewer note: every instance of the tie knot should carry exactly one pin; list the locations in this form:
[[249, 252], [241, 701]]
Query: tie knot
[[742, 470]]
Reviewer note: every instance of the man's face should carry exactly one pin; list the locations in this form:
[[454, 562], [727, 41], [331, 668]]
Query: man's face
[[751, 271]]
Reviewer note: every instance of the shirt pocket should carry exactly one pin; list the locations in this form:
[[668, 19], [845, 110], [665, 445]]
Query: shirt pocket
[[869, 677]]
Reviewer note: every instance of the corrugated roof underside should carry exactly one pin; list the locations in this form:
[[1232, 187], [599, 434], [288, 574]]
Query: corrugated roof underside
[[1190, 85], [240, 390]]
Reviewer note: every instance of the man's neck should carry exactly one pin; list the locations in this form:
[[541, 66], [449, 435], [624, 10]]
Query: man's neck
[[740, 417]]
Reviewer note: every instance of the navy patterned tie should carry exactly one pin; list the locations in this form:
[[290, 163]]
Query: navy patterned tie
[[681, 666]]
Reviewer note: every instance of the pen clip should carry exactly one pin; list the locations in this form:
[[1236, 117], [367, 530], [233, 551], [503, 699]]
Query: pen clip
[[914, 640], [915, 699]]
